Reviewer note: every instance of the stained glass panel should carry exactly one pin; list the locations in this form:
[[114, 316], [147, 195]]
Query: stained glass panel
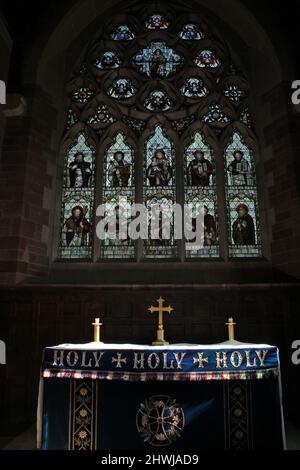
[[157, 22], [194, 88], [199, 170], [108, 60], [200, 193], [78, 200], [119, 166], [79, 165], [241, 196], [190, 32], [122, 89], [163, 245], [118, 184], [244, 238], [158, 100], [157, 60], [123, 33], [199, 199], [240, 170], [160, 160], [207, 59], [159, 185], [76, 234]]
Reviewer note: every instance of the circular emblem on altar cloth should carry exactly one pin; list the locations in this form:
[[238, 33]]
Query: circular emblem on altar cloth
[[160, 420]]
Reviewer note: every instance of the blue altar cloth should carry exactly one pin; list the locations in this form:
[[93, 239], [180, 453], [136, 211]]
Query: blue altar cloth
[[104, 396]]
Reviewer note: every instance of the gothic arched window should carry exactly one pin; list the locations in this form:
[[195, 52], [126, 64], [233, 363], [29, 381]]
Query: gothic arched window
[[159, 114]]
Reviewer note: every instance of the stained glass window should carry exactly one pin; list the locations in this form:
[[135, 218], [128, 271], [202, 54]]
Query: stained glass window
[[118, 194], [154, 85], [108, 60], [157, 60], [157, 21], [191, 32], [207, 59], [122, 89], [78, 200], [158, 101], [241, 196], [200, 194], [123, 33], [194, 88]]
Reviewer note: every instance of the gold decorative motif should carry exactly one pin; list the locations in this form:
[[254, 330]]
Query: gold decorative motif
[[160, 421], [82, 416]]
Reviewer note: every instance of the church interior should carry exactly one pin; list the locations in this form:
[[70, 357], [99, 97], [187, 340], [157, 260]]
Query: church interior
[[156, 102]]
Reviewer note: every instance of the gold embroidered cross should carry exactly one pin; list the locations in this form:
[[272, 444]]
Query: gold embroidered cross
[[160, 340]]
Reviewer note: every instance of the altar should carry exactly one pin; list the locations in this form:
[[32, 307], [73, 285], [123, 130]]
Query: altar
[[171, 397]]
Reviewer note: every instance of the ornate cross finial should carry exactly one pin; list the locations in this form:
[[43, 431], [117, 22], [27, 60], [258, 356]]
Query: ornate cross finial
[[231, 326], [97, 325], [160, 341]]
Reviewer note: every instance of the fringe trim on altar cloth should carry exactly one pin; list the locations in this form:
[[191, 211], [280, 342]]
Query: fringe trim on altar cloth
[[162, 376]]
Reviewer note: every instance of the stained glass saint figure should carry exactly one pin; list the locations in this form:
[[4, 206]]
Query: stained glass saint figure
[[76, 228], [79, 171], [157, 60], [199, 170], [239, 170], [159, 172], [120, 170], [243, 229]]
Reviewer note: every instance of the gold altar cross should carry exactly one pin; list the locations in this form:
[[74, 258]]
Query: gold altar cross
[[231, 326], [160, 340], [97, 326]]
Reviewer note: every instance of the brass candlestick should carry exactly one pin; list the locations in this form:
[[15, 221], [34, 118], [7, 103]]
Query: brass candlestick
[[97, 330], [231, 326]]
